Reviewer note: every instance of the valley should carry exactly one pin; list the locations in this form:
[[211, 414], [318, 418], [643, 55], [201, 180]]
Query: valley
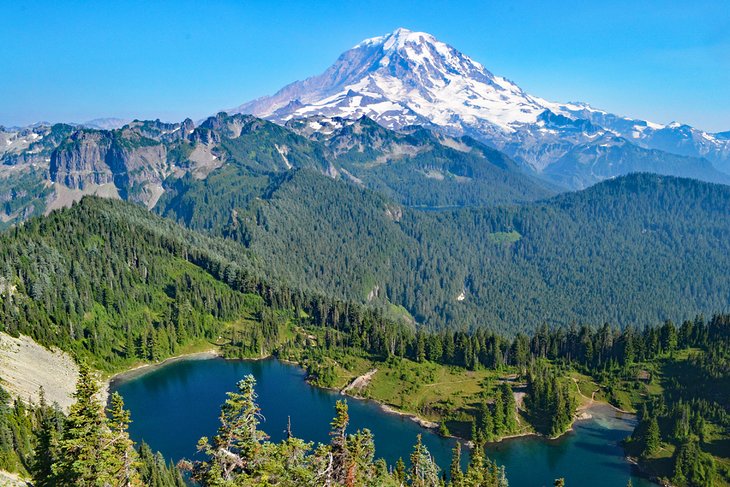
[[454, 378], [405, 271]]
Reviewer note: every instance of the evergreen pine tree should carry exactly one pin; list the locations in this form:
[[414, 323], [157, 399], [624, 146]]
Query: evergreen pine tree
[[78, 463], [510, 408], [498, 416], [424, 471], [652, 440], [47, 448], [236, 446], [120, 451], [455, 470], [338, 443], [400, 471]]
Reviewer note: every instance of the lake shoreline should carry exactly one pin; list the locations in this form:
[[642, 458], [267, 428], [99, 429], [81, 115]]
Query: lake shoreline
[[145, 368], [282, 381], [142, 369]]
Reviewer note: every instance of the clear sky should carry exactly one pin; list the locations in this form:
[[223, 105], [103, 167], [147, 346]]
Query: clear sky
[[79, 60]]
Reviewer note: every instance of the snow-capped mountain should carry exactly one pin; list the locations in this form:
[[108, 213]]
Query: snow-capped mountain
[[405, 78], [411, 78]]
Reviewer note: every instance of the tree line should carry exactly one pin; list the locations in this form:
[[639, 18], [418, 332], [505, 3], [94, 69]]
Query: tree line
[[240, 455]]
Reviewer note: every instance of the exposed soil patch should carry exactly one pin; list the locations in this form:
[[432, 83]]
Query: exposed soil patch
[[26, 366]]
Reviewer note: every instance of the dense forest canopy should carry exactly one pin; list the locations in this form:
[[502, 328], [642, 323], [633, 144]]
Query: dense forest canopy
[[334, 212], [634, 250], [115, 284]]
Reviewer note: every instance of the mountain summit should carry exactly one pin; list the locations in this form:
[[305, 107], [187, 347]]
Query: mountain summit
[[405, 78], [411, 78]]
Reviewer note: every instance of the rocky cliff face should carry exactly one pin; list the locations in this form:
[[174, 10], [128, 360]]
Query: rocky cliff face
[[82, 160], [140, 160], [136, 165]]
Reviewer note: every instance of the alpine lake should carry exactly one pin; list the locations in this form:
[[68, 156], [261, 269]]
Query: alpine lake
[[173, 405]]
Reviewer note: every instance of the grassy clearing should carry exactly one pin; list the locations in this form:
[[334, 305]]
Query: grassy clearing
[[504, 237], [432, 391], [586, 386]]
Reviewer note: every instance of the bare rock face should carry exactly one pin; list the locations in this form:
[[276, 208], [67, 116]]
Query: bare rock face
[[128, 160], [82, 160], [140, 169], [134, 160]]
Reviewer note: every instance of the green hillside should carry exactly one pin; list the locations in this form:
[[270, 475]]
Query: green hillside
[[638, 249]]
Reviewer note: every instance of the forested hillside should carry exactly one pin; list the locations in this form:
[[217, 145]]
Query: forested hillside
[[113, 283], [637, 249], [117, 285], [418, 167]]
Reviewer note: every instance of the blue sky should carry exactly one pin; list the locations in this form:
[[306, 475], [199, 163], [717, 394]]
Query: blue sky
[[78, 60]]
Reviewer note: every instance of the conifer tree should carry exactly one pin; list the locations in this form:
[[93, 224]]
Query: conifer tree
[[338, 443], [510, 408], [457, 476], [502, 477], [400, 471], [361, 452], [79, 449], [236, 446], [120, 452], [693, 467], [498, 415], [424, 471], [93, 451], [653, 437], [486, 422], [47, 448]]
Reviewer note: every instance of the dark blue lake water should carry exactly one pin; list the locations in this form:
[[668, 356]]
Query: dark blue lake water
[[174, 405]]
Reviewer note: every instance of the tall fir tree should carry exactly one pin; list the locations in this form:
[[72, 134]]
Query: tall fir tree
[[424, 471]]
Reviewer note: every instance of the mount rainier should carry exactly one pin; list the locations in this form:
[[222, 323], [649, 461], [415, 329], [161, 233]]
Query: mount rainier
[[411, 78]]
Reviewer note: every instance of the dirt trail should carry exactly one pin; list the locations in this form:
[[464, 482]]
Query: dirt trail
[[451, 382], [582, 410], [359, 383], [591, 399]]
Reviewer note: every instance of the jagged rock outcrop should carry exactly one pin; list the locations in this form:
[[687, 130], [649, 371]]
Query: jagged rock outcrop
[[82, 160], [130, 161]]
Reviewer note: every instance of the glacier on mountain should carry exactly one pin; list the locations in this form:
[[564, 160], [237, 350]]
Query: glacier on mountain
[[411, 78]]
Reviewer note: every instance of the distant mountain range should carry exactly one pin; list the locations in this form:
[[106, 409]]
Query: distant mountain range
[[404, 115], [46, 167], [409, 177], [410, 78]]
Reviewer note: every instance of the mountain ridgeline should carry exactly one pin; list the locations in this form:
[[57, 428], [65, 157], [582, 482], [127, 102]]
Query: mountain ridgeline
[[334, 206], [49, 167], [403, 114]]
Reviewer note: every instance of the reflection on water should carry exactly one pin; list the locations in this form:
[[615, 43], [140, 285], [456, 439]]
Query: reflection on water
[[174, 405]]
